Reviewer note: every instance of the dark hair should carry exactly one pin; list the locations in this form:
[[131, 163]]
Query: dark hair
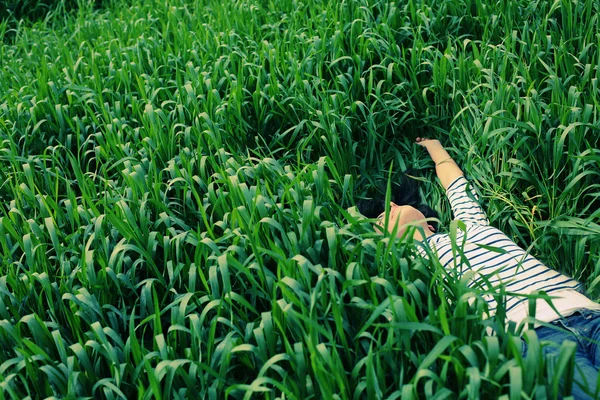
[[406, 192]]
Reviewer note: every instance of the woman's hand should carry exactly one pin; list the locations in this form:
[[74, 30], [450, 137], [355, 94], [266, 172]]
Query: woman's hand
[[428, 142]]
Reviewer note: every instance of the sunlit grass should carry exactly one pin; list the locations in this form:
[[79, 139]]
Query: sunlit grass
[[178, 181]]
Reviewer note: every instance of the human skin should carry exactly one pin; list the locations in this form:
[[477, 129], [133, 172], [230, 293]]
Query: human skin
[[445, 167], [402, 216]]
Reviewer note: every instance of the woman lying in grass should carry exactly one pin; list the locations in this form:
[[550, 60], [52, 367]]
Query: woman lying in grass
[[491, 254]]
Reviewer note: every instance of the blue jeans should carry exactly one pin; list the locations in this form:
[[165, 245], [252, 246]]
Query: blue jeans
[[582, 325]]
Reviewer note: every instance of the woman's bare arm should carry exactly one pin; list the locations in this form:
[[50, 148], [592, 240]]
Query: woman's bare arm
[[446, 168]]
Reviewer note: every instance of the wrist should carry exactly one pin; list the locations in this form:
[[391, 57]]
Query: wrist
[[439, 155], [433, 145]]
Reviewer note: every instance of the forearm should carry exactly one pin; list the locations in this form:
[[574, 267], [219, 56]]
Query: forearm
[[445, 167]]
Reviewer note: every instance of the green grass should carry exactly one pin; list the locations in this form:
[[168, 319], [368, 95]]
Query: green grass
[[178, 181]]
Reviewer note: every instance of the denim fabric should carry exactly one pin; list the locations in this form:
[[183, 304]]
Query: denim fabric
[[580, 327]]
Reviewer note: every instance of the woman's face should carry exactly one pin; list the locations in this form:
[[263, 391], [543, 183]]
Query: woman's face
[[403, 216]]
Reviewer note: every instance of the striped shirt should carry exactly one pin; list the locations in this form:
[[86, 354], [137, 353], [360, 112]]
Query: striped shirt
[[493, 260]]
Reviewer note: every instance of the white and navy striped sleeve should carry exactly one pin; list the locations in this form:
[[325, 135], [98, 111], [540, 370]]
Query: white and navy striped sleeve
[[465, 202]]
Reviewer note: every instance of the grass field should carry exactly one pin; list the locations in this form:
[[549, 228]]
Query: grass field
[[178, 182]]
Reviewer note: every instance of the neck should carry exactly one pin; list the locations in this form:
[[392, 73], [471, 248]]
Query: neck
[[426, 231]]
